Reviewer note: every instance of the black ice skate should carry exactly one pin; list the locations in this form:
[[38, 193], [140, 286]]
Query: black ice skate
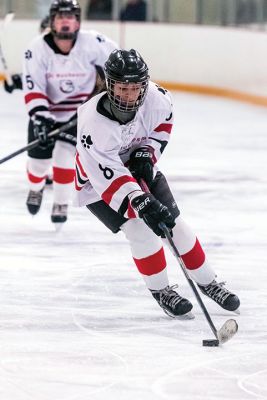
[[59, 213], [172, 303], [222, 296], [34, 201]]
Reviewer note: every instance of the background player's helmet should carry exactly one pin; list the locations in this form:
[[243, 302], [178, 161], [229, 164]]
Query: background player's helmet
[[125, 66], [64, 6], [45, 23]]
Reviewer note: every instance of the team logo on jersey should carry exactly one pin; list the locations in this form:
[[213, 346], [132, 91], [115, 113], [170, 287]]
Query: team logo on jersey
[[66, 86], [86, 141], [28, 54], [100, 38]]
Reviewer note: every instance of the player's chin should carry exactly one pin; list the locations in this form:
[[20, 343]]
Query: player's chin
[[128, 104]]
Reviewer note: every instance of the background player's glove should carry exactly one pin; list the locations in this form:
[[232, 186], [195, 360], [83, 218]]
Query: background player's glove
[[41, 127], [153, 212], [141, 164], [17, 83]]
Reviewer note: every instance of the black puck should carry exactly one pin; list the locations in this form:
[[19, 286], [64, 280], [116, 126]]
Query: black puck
[[210, 343]]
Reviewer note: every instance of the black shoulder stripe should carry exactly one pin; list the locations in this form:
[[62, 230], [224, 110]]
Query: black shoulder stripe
[[163, 144]]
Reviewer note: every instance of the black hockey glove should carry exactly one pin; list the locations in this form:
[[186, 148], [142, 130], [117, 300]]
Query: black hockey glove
[[153, 212], [41, 127], [141, 164], [16, 83]]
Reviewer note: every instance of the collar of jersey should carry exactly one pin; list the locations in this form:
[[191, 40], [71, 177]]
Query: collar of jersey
[[48, 38]]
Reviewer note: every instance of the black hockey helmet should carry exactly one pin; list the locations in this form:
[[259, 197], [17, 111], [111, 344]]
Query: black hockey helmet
[[45, 23], [64, 6], [125, 66]]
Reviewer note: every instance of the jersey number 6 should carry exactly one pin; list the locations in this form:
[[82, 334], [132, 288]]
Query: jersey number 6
[[107, 172]]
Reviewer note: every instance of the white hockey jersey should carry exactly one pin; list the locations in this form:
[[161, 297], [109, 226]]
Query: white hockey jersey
[[104, 147], [56, 84]]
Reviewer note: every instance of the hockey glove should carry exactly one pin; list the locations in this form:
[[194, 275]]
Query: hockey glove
[[41, 127], [17, 83], [141, 164], [153, 212]]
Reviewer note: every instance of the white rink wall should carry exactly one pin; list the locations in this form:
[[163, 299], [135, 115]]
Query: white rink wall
[[230, 59]]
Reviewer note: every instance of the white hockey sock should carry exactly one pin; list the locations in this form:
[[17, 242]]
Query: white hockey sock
[[192, 253], [147, 252]]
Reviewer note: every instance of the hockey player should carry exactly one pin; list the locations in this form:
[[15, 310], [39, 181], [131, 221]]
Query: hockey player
[[60, 73], [121, 136]]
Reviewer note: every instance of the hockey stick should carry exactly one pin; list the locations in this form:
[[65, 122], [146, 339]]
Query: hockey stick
[[36, 142], [8, 18], [230, 327]]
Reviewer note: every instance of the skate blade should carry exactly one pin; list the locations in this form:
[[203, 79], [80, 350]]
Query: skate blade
[[183, 317], [58, 226], [227, 331]]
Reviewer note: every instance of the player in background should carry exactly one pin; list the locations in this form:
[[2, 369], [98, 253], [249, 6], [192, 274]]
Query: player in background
[[17, 78], [61, 69], [121, 136]]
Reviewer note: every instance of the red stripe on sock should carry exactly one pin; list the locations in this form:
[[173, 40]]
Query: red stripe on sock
[[63, 175], [35, 179], [152, 264], [195, 257]]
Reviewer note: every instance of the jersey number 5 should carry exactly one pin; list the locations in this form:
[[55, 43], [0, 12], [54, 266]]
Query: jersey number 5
[[29, 82]]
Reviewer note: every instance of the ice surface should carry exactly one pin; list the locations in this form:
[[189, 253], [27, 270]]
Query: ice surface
[[76, 321]]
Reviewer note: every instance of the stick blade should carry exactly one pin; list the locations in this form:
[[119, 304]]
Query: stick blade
[[8, 18], [227, 331]]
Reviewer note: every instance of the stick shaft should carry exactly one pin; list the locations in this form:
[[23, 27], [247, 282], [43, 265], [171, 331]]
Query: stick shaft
[[183, 267], [8, 18], [36, 142]]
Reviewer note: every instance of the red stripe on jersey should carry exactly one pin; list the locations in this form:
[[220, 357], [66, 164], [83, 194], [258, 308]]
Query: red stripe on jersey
[[35, 179], [58, 109], [152, 264], [164, 128], [195, 257], [115, 186], [76, 184], [77, 159], [63, 175], [33, 96]]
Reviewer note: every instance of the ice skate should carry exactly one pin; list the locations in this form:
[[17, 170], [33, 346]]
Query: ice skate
[[174, 305], [34, 201], [59, 215], [222, 296]]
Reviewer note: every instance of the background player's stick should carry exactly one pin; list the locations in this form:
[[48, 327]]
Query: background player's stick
[[36, 142], [8, 18]]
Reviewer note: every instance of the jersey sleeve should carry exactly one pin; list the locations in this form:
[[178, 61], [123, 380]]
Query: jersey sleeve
[[161, 123], [34, 80], [104, 46], [98, 161]]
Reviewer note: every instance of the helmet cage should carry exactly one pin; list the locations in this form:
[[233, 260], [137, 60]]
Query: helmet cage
[[126, 68], [118, 101]]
